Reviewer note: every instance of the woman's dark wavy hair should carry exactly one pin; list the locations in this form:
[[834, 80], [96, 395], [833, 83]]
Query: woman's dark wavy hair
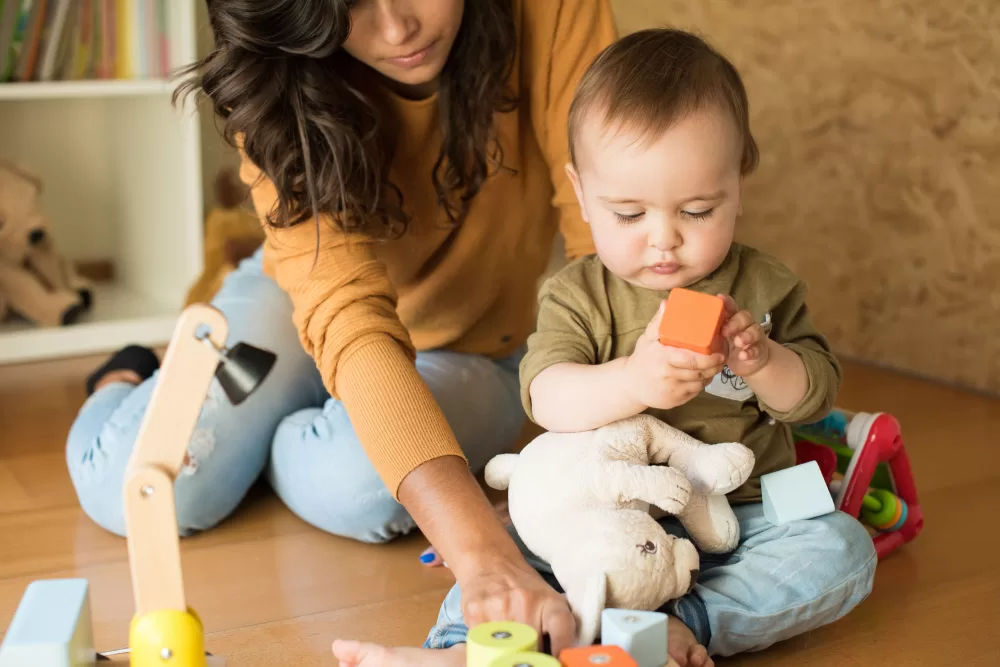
[[278, 77]]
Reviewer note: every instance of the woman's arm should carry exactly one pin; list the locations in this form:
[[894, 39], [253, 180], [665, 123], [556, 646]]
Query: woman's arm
[[344, 311], [442, 495]]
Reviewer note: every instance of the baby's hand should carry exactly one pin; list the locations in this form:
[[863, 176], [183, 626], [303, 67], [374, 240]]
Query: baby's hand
[[748, 350], [664, 377]]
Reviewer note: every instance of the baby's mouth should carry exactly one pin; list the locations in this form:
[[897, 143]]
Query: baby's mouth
[[665, 268]]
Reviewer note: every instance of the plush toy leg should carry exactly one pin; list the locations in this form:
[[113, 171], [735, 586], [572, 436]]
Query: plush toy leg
[[666, 488], [59, 272], [29, 297], [718, 468], [711, 523], [711, 468]]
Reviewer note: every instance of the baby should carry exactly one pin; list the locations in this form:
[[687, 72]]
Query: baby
[[660, 145]]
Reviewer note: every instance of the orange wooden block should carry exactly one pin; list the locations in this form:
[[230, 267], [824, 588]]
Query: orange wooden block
[[692, 320], [588, 656]]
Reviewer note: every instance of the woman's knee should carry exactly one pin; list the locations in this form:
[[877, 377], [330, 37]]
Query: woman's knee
[[226, 453], [321, 472], [104, 504]]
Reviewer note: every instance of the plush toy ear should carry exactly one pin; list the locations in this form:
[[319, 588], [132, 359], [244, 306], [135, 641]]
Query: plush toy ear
[[591, 606], [24, 172], [587, 594]]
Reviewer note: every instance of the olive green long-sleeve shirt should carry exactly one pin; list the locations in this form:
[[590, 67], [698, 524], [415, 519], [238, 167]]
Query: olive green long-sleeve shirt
[[587, 315]]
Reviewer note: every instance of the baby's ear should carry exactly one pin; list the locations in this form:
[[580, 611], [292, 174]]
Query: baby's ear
[[574, 178]]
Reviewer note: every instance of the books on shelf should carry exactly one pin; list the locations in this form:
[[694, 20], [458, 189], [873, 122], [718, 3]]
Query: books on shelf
[[72, 40]]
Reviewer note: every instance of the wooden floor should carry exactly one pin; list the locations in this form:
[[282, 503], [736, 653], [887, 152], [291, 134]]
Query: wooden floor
[[273, 591]]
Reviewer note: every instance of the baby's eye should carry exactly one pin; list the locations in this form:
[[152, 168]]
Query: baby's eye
[[626, 219], [700, 215]]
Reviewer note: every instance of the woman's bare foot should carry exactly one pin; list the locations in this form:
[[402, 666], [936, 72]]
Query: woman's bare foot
[[122, 375], [683, 647], [362, 654]]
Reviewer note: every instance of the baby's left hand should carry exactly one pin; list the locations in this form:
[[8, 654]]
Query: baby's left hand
[[748, 350]]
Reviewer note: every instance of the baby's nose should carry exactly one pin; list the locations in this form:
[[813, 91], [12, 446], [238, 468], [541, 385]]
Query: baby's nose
[[694, 579]]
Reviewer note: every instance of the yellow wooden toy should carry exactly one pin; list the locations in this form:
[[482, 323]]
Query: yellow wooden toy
[[487, 642]]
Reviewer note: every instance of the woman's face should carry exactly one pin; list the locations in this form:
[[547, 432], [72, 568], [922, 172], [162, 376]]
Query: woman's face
[[407, 41]]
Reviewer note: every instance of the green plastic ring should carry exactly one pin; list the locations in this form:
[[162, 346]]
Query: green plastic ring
[[884, 515]]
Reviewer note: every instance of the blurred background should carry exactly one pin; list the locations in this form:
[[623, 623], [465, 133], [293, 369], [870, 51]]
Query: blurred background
[[879, 183]]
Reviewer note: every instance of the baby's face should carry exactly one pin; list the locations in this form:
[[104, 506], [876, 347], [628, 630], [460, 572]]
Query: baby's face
[[662, 212]]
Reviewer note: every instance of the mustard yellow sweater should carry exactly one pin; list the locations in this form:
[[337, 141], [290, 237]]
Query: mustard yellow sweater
[[367, 306]]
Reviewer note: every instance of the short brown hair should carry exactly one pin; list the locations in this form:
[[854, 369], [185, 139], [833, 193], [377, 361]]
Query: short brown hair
[[649, 79]]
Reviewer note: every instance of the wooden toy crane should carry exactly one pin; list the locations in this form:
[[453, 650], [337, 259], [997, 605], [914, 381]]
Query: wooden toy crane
[[51, 626], [164, 629]]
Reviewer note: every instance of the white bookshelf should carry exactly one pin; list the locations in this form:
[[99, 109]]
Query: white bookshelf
[[83, 89], [122, 169]]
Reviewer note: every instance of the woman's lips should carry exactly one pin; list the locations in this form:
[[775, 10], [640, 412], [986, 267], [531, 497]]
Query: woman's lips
[[413, 59]]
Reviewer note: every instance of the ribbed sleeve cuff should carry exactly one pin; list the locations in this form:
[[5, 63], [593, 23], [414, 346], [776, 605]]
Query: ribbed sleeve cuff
[[819, 397], [394, 414]]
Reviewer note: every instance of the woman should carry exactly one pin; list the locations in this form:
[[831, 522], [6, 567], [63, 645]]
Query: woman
[[408, 159]]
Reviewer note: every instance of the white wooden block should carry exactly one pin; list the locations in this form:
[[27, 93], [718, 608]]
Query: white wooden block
[[51, 627], [795, 493], [643, 634]]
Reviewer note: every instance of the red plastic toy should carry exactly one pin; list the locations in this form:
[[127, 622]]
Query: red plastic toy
[[877, 484]]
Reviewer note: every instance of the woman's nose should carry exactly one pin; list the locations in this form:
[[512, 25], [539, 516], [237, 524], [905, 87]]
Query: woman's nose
[[397, 23]]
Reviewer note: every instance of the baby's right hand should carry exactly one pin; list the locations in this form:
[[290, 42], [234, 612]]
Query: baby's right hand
[[665, 377]]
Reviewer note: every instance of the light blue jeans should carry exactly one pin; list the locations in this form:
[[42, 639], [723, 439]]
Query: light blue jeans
[[290, 427], [779, 582]]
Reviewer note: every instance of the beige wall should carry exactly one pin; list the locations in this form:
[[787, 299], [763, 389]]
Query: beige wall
[[879, 127]]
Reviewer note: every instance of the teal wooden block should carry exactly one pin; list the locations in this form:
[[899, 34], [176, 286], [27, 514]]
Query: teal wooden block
[[51, 627], [795, 493], [643, 634]]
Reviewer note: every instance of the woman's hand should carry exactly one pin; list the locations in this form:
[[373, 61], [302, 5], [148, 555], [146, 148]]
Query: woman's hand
[[513, 591], [496, 581]]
